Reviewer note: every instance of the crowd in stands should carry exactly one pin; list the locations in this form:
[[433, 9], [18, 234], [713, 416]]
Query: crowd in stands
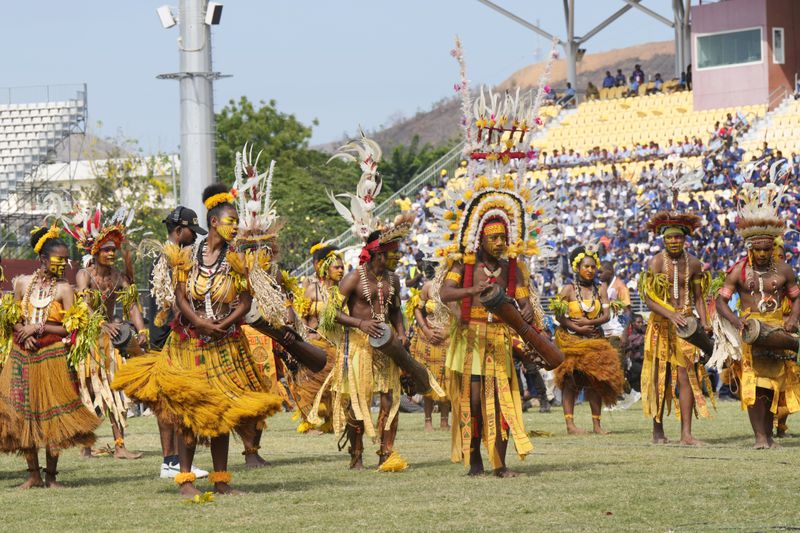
[[612, 204], [629, 86]]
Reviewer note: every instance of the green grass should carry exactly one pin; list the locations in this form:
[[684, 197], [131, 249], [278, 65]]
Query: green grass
[[618, 482]]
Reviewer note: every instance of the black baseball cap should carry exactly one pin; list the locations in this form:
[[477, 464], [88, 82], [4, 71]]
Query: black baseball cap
[[183, 216]]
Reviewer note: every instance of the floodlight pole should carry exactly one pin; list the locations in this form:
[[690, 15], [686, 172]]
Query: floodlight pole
[[198, 161]]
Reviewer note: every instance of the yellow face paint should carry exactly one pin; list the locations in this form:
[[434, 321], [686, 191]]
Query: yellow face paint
[[228, 227], [57, 265]]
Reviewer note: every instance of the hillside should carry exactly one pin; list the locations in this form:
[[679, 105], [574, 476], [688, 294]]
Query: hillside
[[440, 124]]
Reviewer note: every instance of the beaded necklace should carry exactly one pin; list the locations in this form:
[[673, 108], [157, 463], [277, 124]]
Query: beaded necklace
[[674, 280], [768, 302], [595, 300], [210, 272], [41, 301], [383, 304]]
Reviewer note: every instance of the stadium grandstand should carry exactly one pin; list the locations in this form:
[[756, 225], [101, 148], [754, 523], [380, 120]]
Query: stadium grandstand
[[35, 124], [602, 156]]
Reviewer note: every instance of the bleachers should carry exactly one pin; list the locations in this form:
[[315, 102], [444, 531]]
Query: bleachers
[[782, 131], [30, 135], [626, 122]]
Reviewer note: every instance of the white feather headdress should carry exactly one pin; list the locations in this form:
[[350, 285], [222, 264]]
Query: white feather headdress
[[758, 207], [253, 196]]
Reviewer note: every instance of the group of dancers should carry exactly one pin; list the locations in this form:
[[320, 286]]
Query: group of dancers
[[226, 323]]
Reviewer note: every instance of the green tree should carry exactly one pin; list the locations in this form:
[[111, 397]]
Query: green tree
[[405, 162]]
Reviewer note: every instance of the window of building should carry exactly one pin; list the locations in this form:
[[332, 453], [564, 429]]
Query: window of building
[[777, 46], [729, 48]]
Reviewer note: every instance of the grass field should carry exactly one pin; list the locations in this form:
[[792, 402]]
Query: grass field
[[619, 482]]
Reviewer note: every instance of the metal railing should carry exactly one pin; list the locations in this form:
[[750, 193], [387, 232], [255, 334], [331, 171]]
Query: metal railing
[[430, 175]]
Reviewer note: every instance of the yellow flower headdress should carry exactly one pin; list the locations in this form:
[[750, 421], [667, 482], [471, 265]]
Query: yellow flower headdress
[[53, 233]]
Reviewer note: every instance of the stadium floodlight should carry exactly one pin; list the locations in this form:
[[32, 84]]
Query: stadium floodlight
[[213, 13], [166, 16]]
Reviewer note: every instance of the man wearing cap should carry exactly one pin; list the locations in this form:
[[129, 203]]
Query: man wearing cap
[[182, 230]]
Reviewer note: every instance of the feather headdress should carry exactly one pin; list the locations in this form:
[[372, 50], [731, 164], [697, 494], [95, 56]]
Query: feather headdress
[[758, 207], [253, 193], [677, 182], [367, 153], [90, 231], [494, 194]]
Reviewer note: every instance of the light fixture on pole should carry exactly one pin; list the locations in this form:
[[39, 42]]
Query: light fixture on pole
[[166, 17]]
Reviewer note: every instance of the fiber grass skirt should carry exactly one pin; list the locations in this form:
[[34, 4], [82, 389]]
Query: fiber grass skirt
[[39, 402], [592, 363]]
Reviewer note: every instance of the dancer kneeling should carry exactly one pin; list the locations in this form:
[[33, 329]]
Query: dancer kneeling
[[591, 362]]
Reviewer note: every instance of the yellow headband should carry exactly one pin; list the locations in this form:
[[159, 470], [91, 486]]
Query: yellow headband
[[494, 228], [53, 233], [217, 199], [580, 257], [325, 263]]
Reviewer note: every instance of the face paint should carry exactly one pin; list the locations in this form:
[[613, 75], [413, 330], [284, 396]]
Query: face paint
[[56, 265], [674, 243], [107, 255], [495, 244], [227, 227], [392, 258], [336, 271], [587, 269], [762, 252]]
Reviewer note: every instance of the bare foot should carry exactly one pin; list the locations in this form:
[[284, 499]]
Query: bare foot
[[782, 433], [658, 435], [121, 452], [54, 485], [597, 429], [445, 427], [762, 443], [506, 473], [315, 431], [428, 426], [689, 440], [357, 465], [774, 445], [32, 483], [188, 490], [253, 460], [475, 462], [224, 488], [476, 470], [572, 429]]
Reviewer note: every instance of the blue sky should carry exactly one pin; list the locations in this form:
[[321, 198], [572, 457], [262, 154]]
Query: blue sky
[[344, 62]]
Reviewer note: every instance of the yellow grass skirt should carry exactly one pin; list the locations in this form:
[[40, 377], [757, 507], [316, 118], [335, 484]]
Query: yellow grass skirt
[[305, 384], [208, 389], [777, 375], [484, 349], [39, 402], [663, 347], [592, 363], [358, 373], [433, 357]]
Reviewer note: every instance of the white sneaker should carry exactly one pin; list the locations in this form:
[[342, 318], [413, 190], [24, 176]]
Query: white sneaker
[[169, 471], [199, 472]]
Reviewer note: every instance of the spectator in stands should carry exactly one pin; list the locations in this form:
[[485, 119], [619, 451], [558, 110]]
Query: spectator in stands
[[638, 75], [633, 88], [608, 81], [689, 76], [658, 85], [796, 88], [619, 79], [592, 93], [569, 96]]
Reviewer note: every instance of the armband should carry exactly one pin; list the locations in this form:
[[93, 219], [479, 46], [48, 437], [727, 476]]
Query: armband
[[521, 293], [453, 276], [726, 292], [793, 292]]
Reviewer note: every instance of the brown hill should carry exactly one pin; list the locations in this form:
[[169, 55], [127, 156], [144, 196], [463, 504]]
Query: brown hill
[[441, 123]]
